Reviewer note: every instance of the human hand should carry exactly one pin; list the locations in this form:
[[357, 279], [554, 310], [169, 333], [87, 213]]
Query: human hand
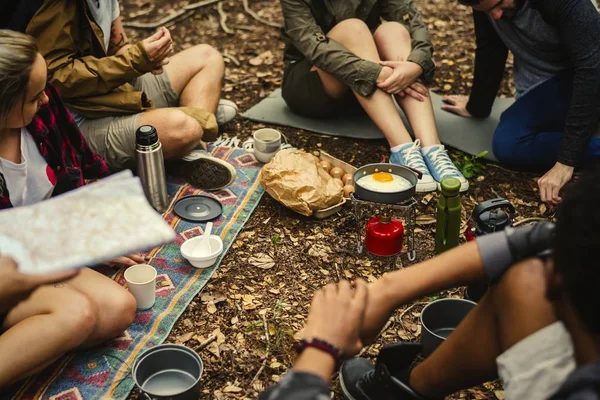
[[16, 286], [417, 91], [159, 47], [128, 261], [336, 315], [552, 182], [404, 74], [456, 105], [378, 312]]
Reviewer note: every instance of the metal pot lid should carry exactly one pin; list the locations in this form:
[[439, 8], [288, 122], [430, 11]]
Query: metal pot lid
[[198, 208]]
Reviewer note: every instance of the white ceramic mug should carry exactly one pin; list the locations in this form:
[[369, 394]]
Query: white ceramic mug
[[141, 282], [267, 143]]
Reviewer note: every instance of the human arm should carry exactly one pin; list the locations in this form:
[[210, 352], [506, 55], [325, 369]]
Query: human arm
[[16, 287], [490, 61], [406, 13], [73, 70], [336, 315], [119, 44], [325, 53], [485, 259]]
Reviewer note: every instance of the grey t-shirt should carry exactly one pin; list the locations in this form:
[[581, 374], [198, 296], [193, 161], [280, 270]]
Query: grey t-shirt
[[536, 47]]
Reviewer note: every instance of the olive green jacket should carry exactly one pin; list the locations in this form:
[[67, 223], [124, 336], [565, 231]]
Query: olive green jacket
[[306, 23], [92, 83]]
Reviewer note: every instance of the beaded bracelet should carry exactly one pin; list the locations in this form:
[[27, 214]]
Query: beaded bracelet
[[324, 346]]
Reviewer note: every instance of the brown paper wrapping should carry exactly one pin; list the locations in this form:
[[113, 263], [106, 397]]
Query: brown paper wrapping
[[295, 179]]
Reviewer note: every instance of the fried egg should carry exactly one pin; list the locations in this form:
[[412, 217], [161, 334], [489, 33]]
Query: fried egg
[[384, 182]]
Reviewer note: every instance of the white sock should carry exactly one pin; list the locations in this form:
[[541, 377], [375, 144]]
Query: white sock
[[397, 148], [426, 149]]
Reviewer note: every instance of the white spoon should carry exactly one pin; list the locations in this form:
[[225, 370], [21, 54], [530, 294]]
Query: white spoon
[[203, 248]]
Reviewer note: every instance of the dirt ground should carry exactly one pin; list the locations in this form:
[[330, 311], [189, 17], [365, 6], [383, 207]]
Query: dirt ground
[[256, 312]]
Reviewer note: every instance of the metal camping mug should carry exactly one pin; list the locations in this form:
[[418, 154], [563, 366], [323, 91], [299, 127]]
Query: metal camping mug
[[168, 372]]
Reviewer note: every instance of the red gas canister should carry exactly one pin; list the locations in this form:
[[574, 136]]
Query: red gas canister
[[384, 236]]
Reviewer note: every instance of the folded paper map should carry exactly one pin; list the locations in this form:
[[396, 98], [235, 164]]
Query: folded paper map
[[85, 227]]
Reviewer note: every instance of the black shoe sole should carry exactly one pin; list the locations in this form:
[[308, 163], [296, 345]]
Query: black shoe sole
[[202, 173]]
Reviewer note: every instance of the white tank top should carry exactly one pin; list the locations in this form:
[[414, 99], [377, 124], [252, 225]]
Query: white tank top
[[32, 180]]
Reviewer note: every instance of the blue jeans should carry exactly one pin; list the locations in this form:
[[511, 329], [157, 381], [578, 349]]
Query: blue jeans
[[530, 131]]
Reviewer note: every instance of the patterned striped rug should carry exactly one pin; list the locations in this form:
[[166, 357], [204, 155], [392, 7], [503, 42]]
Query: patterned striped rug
[[103, 373]]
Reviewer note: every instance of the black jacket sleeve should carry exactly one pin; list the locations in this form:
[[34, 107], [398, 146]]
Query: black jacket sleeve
[[578, 23], [490, 60]]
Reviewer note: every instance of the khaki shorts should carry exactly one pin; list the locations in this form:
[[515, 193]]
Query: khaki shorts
[[537, 366], [113, 138]]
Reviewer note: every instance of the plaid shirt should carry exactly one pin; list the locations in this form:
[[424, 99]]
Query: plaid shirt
[[62, 145]]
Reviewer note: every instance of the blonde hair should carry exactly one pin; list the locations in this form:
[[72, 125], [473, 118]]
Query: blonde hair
[[18, 53]]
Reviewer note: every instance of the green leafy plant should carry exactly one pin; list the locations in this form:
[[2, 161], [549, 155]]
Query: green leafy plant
[[276, 239], [470, 165]]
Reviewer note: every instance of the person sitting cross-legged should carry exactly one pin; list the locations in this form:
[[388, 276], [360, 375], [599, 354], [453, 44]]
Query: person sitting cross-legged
[[43, 154], [339, 57], [113, 87]]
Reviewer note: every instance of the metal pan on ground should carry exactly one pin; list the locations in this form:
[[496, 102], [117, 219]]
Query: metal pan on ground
[[385, 197], [198, 208], [168, 371]]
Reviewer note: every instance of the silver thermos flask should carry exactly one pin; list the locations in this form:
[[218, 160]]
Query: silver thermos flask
[[151, 167]]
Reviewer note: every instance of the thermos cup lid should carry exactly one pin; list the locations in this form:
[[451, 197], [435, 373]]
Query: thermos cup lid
[[450, 186], [146, 135]]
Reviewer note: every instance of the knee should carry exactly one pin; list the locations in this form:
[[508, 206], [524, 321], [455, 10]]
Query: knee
[[522, 284], [185, 131], [121, 309], [79, 317], [352, 29], [209, 55], [504, 145], [395, 30]]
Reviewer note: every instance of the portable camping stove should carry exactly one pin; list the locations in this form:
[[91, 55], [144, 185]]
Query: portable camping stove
[[406, 212]]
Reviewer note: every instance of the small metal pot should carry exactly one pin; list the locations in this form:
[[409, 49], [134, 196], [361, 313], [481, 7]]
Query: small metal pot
[[386, 198], [168, 372], [439, 318]]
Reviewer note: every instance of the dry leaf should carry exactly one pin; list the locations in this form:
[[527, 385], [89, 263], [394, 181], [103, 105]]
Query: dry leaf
[[275, 365], [499, 394], [215, 297], [232, 389], [263, 58], [211, 307], [425, 220], [262, 261], [185, 337], [543, 208], [234, 320]]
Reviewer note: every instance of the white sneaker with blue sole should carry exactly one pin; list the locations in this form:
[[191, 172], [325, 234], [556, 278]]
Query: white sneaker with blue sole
[[441, 166], [410, 156]]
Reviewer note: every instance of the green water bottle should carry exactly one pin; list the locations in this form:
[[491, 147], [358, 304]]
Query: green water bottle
[[448, 216]]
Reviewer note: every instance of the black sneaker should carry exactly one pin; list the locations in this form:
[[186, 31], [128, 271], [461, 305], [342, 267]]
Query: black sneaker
[[360, 380], [203, 171]]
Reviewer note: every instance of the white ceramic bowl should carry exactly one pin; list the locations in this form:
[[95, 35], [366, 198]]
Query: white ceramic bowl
[[216, 248]]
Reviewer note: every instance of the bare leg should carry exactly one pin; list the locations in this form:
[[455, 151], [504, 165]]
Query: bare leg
[[56, 319], [511, 311], [355, 35], [394, 44], [178, 132], [116, 306], [196, 74], [51, 322]]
